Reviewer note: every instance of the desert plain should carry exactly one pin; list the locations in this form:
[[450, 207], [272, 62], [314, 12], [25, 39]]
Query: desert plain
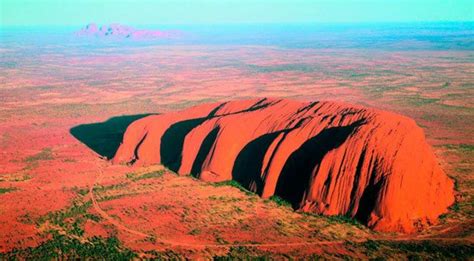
[[64, 106]]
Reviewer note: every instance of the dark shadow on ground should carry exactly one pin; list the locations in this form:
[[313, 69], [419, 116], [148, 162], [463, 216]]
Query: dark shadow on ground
[[296, 174], [105, 137]]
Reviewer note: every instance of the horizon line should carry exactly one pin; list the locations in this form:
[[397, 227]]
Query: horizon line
[[244, 23]]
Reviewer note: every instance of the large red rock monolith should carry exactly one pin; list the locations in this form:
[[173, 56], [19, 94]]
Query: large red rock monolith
[[329, 158]]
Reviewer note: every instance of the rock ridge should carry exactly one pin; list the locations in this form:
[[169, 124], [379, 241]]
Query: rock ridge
[[329, 158]]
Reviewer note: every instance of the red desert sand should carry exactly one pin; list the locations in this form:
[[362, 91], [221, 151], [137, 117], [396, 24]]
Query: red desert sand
[[329, 158]]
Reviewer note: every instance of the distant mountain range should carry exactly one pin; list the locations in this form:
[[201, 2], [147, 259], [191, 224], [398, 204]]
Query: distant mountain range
[[124, 31]]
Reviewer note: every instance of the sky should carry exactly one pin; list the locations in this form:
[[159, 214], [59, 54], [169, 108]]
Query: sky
[[150, 12]]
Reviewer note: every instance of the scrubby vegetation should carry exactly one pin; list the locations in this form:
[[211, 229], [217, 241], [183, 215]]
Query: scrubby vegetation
[[243, 253], [44, 154], [68, 241], [63, 247], [423, 250], [234, 184], [279, 201], [6, 190], [460, 147], [149, 175], [71, 219]]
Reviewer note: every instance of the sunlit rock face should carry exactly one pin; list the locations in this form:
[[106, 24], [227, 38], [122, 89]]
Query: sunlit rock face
[[328, 158], [123, 31]]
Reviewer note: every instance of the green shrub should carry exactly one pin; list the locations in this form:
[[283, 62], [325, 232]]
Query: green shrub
[[45, 154], [63, 247], [149, 175], [6, 190], [280, 202], [234, 184]]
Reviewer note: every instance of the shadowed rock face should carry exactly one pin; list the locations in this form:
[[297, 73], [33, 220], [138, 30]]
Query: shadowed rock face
[[323, 157]]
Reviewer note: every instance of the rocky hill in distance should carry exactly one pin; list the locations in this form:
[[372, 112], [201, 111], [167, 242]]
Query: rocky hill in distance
[[119, 31]]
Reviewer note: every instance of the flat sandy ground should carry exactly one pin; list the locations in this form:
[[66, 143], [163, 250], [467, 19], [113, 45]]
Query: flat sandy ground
[[61, 116]]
